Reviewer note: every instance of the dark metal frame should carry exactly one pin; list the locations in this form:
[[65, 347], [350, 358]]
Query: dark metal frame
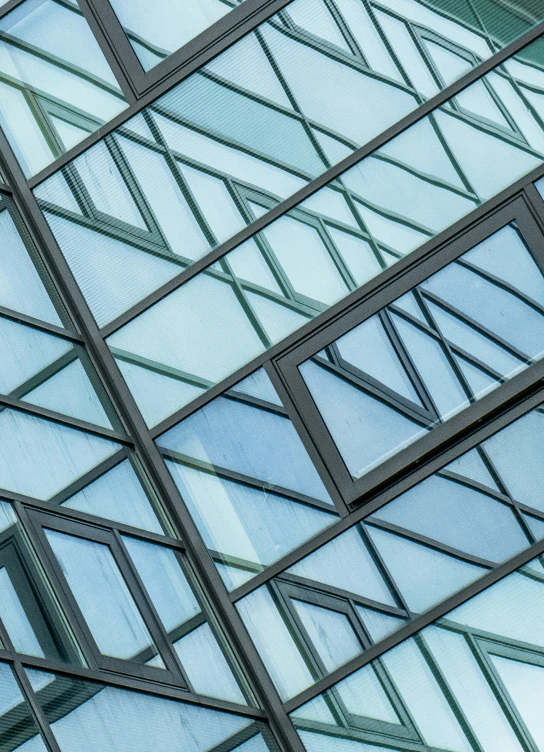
[[520, 201]]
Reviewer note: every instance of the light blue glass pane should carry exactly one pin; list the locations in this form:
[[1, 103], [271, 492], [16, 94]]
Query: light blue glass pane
[[516, 452], [102, 595], [476, 698], [20, 285], [206, 666], [258, 384], [345, 563], [15, 620], [273, 640], [525, 684], [246, 525], [70, 391], [48, 49], [378, 624], [330, 632], [423, 575], [156, 394], [368, 347], [164, 581], [365, 430], [363, 695], [167, 26], [119, 720], [471, 465], [257, 443], [117, 495], [15, 713], [458, 516], [39, 458], [25, 352]]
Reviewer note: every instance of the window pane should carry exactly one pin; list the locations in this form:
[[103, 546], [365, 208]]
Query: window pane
[[103, 597], [480, 322], [471, 678], [56, 84]]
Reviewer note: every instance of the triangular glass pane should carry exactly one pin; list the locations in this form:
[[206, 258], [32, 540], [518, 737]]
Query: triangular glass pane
[[379, 625], [525, 684], [206, 666], [471, 465], [117, 495], [25, 352], [20, 285], [458, 516], [314, 16], [536, 526], [366, 430], [277, 320], [480, 383], [504, 255], [408, 303], [39, 457], [423, 575], [450, 65], [70, 392], [369, 348], [258, 385], [156, 394], [55, 190], [363, 695], [315, 710], [345, 563], [330, 632], [69, 134]]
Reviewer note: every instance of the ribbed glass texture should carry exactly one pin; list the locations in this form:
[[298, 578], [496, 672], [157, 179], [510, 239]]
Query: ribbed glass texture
[[403, 559], [473, 680]]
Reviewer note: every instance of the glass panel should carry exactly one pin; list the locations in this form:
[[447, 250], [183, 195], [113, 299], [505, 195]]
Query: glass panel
[[492, 292], [155, 34], [18, 729], [402, 560], [103, 597], [91, 717], [55, 84], [219, 174], [40, 458], [30, 616], [468, 681], [246, 478], [117, 495]]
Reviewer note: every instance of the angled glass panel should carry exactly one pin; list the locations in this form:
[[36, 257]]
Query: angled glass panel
[[383, 208], [118, 495], [403, 559], [56, 86], [483, 323], [39, 457], [470, 680], [104, 599], [200, 654], [92, 717], [18, 729], [187, 178], [246, 478], [30, 617], [155, 33]]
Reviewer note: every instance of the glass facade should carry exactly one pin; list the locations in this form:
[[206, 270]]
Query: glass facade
[[271, 382]]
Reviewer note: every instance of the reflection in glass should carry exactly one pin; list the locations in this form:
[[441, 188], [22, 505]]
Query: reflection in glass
[[389, 204], [246, 478], [155, 32], [29, 616], [55, 84], [18, 729], [448, 342], [180, 178], [102, 595], [469, 681], [406, 557], [91, 717]]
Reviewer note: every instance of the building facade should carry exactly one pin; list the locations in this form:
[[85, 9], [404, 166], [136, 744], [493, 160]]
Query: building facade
[[271, 375]]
